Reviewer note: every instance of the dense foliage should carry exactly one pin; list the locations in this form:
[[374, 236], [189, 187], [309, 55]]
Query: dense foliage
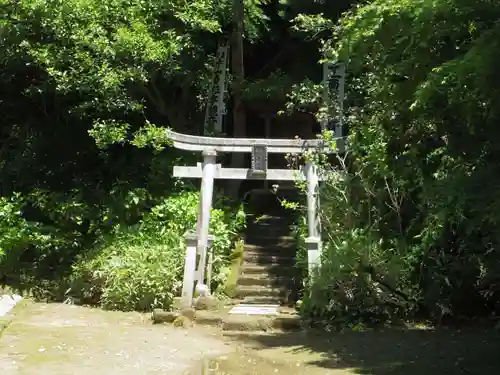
[[411, 225], [87, 89], [141, 267]]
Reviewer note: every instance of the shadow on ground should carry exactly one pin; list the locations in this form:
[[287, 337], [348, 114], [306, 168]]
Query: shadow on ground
[[392, 352]]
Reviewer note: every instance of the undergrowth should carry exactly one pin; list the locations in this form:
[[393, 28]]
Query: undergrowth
[[126, 266], [140, 268]]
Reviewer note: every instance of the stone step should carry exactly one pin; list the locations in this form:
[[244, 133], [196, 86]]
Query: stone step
[[257, 301], [284, 251], [271, 241], [266, 231], [243, 291], [266, 221], [232, 323], [261, 217], [273, 221], [251, 235], [264, 279], [249, 323], [275, 270], [262, 300], [255, 309], [256, 258]]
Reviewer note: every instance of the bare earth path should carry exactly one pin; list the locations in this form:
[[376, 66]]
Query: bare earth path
[[55, 339]]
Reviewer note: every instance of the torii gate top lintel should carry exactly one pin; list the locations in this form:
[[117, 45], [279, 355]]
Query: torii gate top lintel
[[278, 146]]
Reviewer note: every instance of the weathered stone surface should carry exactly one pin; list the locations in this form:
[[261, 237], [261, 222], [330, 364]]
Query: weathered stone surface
[[183, 322], [162, 316], [189, 313], [206, 303], [210, 318], [247, 323]]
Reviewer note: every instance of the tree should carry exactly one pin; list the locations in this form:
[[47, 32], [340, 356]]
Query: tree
[[87, 88], [423, 110]]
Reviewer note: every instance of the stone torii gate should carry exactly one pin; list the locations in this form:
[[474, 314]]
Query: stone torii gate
[[208, 171]]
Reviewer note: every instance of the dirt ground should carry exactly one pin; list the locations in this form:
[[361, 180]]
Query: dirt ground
[[57, 339], [54, 339], [391, 352]]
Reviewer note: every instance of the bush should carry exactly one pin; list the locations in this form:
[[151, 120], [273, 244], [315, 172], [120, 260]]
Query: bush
[[14, 230], [366, 277], [29, 248], [387, 256], [299, 230], [131, 271], [141, 267], [359, 282]]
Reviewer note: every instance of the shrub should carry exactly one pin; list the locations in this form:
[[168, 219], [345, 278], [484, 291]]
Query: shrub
[[132, 270], [14, 230], [359, 282], [29, 248], [299, 230], [365, 277], [141, 267]]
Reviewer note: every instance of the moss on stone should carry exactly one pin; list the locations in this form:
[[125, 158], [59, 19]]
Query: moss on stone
[[229, 287]]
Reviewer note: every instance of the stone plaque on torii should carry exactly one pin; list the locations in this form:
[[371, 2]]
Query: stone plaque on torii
[[208, 171]]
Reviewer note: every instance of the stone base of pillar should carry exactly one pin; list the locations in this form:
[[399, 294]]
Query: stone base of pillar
[[313, 245], [189, 270]]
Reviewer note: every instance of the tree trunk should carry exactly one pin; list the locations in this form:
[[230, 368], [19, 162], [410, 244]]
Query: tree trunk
[[238, 72]]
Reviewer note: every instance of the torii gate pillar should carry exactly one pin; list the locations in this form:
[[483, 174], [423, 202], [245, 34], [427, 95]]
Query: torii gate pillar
[[205, 207], [313, 241]]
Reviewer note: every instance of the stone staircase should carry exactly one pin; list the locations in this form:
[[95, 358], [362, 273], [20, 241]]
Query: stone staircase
[[267, 273], [267, 286]]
